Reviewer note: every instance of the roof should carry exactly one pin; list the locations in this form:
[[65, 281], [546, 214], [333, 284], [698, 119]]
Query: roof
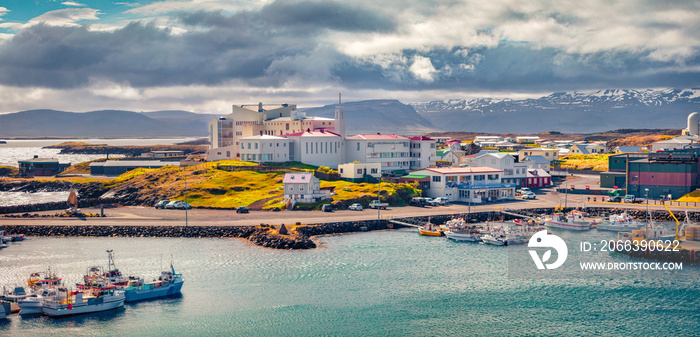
[[285, 119], [537, 173], [421, 139], [39, 160], [414, 176], [378, 137], [497, 155], [539, 149], [537, 159], [582, 148], [263, 137], [166, 151], [134, 163], [461, 170], [313, 134], [631, 148], [298, 177]]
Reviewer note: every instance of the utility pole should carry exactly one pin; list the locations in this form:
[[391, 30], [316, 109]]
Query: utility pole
[[186, 205], [379, 199]]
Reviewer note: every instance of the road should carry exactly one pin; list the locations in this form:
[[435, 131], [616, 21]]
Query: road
[[546, 197]]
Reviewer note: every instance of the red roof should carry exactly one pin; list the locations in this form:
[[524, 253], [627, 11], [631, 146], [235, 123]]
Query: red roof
[[376, 137], [422, 138], [461, 170], [312, 134]]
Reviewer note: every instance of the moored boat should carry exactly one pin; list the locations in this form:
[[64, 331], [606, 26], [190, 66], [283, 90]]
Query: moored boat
[[572, 221], [620, 223], [94, 299], [169, 283], [430, 229]]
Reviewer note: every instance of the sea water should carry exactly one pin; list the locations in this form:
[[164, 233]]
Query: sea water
[[385, 283]]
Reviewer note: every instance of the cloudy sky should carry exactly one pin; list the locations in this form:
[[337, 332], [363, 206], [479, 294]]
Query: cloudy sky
[[204, 55]]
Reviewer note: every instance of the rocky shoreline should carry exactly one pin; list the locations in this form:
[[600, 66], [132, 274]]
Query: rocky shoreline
[[267, 236]]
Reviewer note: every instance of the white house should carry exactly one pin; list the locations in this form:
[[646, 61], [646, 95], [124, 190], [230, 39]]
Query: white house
[[422, 152], [514, 172], [672, 144], [264, 149], [588, 149], [550, 154], [356, 172], [527, 139], [468, 184], [392, 151], [303, 187], [536, 162], [479, 140]]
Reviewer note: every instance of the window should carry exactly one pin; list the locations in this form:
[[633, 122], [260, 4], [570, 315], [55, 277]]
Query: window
[[374, 170], [341, 170], [248, 146], [256, 146], [479, 177], [287, 126], [228, 154], [358, 146], [359, 171], [436, 179]]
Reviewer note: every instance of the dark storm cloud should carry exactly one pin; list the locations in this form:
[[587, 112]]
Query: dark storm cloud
[[286, 41]]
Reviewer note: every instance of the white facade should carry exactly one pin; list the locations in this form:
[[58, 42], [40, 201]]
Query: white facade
[[355, 171], [422, 152], [467, 184], [675, 143], [320, 148], [391, 151], [537, 162], [514, 172], [550, 154], [303, 187], [479, 140], [264, 149]]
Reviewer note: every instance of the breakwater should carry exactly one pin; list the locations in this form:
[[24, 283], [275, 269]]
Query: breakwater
[[25, 210]]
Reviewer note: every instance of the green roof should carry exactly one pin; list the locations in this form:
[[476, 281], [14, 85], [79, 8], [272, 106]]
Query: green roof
[[414, 176]]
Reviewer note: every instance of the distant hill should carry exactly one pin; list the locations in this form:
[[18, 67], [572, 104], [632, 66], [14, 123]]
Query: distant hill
[[570, 112], [385, 116], [103, 123]]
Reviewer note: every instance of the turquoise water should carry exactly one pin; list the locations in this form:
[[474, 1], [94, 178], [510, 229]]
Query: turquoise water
[[388, 283]]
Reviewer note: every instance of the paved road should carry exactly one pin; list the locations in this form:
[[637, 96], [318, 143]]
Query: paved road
[[546, 197]]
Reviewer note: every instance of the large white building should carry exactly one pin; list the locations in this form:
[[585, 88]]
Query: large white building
[[264, 149], [514, 172], [392, 151], [422, 152], [320, 148], [468, 184]]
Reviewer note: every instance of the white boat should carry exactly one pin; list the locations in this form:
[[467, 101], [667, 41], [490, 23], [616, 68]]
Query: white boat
[[18, 293], [34, 304], [169, 283], [94, 299], [572, 221], [463, 236], [494, 239], [620, 223]]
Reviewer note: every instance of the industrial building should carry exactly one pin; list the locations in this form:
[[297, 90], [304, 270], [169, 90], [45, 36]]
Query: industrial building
[[41, 167]]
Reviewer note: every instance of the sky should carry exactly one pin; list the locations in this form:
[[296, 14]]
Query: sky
[[206, 55]]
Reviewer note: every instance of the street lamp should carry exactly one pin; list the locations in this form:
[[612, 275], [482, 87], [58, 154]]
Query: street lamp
[[646, 196], [185, 173], [379, 199]]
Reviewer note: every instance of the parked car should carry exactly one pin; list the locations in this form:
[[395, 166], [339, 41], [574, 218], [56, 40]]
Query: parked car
[[417, 201], [376, 204], [355, 207], [431, 202], [327, 208], [530, 196], [171, 204], [161, 204], [242, 209], [615, 199], [632, 199], [180, 205], [442, 200], [524, 190]]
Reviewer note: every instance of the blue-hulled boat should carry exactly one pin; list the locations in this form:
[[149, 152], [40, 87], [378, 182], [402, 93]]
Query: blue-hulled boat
[[169, 283]]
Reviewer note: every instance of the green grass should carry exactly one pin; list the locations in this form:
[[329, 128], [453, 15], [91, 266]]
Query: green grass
[[595, 162], [693, 196]]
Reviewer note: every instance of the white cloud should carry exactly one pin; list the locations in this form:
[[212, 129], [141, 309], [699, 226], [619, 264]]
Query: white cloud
[[169, 6], [128, 4], [66, 17], [3, 11], [72, 3], [423, 69]]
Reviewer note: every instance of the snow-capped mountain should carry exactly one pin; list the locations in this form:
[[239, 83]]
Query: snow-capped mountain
[[579, 112]]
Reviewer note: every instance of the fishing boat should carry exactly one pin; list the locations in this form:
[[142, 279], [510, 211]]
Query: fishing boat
[[496, 239], [34, 304], [430, 229], [572, 221], [169, 283], [94, 299], [18, 293], [464, 235], [620, 223], [10, 237], [113, 275]]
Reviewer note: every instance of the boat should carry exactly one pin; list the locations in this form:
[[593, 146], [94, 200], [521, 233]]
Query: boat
[[18, 293], [34, 304], [496, 239], [571, 221], [169, 283], [10, 237], [113, 275], [430, 229], [96, 298], [463, 235], [620, 223]]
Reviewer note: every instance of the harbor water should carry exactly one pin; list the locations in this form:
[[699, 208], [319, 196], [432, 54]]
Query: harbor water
[[385, 283]]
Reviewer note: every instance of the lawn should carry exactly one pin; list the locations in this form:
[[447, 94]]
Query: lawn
[[693, 196], [595, 162]]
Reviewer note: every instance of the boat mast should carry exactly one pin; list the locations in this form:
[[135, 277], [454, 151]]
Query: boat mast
[[110, 262]]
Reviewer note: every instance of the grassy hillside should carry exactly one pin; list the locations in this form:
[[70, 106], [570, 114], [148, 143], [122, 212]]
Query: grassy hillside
[[691, 197], [209, 186], [595, 162]]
